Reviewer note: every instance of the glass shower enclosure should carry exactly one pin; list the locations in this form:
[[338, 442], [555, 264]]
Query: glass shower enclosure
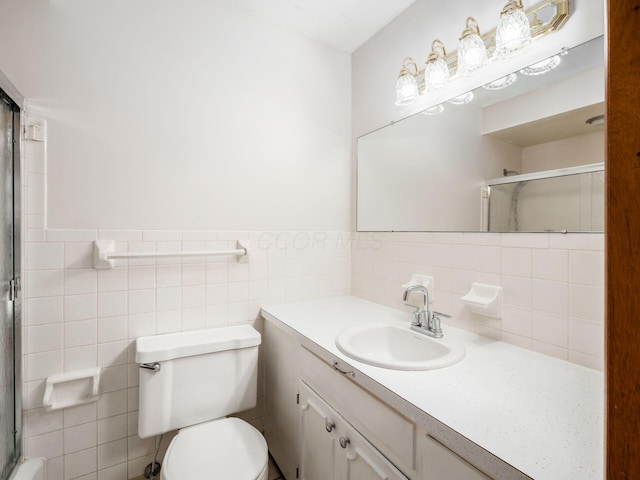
[[11, 311], [564, 200]]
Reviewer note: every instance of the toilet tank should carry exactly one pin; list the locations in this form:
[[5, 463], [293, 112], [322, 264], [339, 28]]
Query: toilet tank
[[203, 375]]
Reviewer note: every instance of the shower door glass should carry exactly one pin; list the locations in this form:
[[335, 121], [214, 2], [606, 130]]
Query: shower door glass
[[567, 203], [10, 407]]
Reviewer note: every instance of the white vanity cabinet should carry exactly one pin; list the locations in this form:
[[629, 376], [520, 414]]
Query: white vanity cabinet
[[309, 406], [332, 449], [472, 421]]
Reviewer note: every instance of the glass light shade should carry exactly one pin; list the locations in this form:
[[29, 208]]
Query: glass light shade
[[436, 74], [542, 67], [513, 32], [436, 71], [406, 90], [472, 52], [501, 83], [435, 110], [462, 99]]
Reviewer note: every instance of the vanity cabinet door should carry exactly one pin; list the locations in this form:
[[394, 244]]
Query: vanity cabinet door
[[319, 438], [332, 449], [362, 461], [390, 432]]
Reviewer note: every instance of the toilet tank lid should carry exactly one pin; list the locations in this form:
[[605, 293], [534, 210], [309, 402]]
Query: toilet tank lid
[[156, 348]]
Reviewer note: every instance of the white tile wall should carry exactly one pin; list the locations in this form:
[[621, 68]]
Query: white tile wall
[[553, 284], [77, 317]]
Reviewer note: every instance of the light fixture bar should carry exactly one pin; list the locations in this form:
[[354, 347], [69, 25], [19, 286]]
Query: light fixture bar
[[556, 23]]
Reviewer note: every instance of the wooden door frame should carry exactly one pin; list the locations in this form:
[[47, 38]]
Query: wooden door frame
[[622, 241]]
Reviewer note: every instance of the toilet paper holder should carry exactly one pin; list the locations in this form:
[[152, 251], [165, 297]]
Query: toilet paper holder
[[71, 389]]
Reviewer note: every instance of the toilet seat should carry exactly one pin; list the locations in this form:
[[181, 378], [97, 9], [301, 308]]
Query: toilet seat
[[226, 448]]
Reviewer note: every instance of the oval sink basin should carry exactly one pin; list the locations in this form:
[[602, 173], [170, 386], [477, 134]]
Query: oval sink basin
[[399, 348]]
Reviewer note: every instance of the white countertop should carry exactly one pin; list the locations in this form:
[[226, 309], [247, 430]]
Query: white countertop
[[541, 415]]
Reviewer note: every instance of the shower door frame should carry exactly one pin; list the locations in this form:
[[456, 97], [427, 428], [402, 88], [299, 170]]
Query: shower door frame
[[15, 286], [17, 273]]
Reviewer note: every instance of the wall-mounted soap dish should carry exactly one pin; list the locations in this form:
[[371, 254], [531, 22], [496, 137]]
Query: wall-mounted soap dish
[[71, 389], [484, 300]]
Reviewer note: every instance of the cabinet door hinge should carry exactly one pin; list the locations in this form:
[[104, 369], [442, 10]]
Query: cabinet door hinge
[[297, 398]]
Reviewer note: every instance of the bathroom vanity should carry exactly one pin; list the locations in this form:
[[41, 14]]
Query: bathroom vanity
[[501, 412]]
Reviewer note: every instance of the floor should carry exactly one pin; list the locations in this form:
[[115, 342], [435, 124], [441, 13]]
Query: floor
[[274, 471]]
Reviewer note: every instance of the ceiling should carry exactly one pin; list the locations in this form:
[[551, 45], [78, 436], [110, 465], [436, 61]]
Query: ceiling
[[343, 24]]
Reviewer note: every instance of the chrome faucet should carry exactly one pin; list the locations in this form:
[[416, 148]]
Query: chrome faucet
[[421, 314], [424, 321]]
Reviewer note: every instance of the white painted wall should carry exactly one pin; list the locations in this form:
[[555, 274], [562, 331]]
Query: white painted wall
[[182, 115]]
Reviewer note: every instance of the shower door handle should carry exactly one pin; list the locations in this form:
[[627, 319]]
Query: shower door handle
[[14, 289]]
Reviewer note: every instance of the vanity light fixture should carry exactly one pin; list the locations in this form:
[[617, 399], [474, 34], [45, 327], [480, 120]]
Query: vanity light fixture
[[436, 71], [472, 52], [501, 83], [540, 68], [462, 99], [514, 31], [407, 86], [435, 110]]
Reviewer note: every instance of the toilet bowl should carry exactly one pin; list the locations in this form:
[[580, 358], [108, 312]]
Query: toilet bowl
[[190, 381], [227, 448]]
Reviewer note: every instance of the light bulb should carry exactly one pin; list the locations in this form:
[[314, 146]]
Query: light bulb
[[472, 52], [407, 91], [436, 72], [513, 32]]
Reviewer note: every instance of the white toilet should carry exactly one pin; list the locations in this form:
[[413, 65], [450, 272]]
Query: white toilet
[[190, 381]]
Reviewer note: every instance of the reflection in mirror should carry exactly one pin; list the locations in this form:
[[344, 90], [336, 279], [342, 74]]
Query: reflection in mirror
[[430, 171], [567, 200]]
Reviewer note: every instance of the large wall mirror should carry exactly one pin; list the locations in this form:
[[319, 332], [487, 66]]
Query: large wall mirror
[[525, 154]]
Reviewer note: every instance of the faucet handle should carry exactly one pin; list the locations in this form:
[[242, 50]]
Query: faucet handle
[[435, 323], [417, 315]]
